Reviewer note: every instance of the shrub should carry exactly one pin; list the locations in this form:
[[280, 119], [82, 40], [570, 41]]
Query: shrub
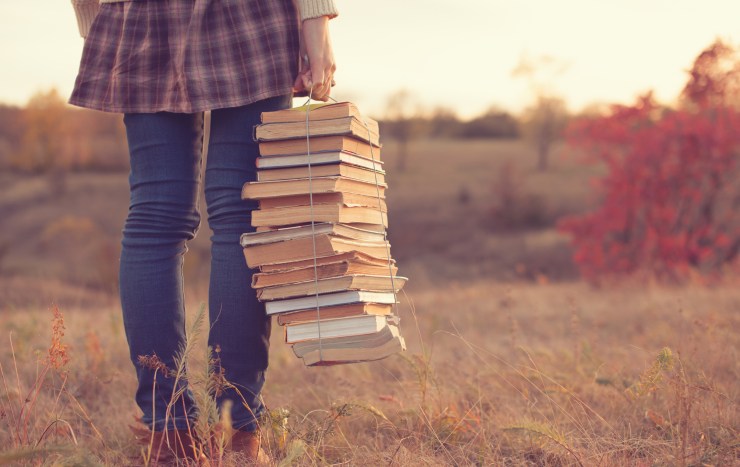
[[670, 194]]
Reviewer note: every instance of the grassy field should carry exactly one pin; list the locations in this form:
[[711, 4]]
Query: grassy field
[[555, 374], [511, 359]]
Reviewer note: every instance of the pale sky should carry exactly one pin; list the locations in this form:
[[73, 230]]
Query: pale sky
[[458, 54]]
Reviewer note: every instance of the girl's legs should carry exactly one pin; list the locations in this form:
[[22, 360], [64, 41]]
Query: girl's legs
[[165, 151], [239, 326]]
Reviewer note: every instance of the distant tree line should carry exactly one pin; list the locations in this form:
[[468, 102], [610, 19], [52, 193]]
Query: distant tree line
[[445, 123], [541, 124], [47, 135]]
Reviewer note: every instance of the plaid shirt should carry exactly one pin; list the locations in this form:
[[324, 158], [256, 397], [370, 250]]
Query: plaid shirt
[[187, 56]]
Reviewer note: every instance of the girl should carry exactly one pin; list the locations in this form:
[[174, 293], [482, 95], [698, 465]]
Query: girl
[[162, 63]]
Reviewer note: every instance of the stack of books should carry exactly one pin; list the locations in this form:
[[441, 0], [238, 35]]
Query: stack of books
[[320, 245]]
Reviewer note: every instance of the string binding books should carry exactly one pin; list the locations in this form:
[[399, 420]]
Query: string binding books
[[325, 268]]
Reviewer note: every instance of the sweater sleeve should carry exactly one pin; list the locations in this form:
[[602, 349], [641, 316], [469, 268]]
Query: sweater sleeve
[[86, 10], [315, 8]]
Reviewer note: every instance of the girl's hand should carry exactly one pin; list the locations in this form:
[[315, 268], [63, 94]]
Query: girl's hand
[[316, 70]]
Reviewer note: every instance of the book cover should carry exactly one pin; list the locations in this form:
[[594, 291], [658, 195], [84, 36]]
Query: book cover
[[304, 186], [300, 231], [321, 158], [339, 327], [346, 199], [325, 170], [332, 213], [332, 284], [309, 247], [318, 145], [387, 333], [339, 356], [309, 262], [316, 111], [338, 311], [346, 126], [323, 271], [331, 299]]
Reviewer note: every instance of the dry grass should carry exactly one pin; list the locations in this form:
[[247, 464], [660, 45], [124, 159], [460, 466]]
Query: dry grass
[[522, 374]]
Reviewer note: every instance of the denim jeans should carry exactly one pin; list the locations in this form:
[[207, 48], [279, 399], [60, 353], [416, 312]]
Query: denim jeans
[[165, 151]]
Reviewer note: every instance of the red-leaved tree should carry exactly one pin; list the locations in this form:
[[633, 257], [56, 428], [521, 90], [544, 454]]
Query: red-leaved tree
[[671, 195]]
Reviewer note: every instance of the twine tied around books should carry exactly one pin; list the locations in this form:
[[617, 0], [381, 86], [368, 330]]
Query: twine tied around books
[[313, 221]]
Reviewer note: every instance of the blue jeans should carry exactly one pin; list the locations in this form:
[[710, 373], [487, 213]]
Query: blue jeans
[[165, 151]]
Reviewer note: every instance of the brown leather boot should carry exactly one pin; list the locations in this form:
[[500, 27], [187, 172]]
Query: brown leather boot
[[169, 446], [248, 444]]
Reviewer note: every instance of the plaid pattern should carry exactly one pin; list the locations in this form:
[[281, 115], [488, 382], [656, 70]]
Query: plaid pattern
[[187, 56]]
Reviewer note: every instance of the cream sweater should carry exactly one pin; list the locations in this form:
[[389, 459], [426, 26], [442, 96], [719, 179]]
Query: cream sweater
[[87, 9]]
